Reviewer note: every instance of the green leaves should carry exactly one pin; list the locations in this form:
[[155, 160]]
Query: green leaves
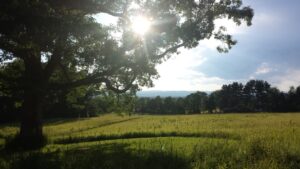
[[68, 33]]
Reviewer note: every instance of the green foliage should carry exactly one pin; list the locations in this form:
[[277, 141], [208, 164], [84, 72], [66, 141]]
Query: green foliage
[[160, 105], [254, 96], [60, 39], [294, 98], [196, 102]]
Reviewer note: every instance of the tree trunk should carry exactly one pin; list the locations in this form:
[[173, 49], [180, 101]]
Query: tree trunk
[[31, 132]]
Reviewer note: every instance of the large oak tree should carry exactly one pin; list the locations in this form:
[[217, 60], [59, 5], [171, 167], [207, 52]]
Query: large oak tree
[[55, 38]]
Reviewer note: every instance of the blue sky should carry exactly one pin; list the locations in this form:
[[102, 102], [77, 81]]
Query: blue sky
[[268, 50]]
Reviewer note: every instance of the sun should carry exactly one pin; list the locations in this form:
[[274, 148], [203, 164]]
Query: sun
[[140, 25]]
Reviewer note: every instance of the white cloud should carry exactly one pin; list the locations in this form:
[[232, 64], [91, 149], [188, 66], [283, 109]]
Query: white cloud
[[179, 73], [264, 68], [211, 44], [231, 27], [290, 78], [278, 76], [188, 80]]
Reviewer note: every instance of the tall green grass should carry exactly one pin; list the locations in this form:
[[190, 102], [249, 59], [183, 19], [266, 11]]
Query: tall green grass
[[219, 141]]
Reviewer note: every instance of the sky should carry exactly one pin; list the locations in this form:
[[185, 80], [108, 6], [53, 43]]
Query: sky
[[268, 50]]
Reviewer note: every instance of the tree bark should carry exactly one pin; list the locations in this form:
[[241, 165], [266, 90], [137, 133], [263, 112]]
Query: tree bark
[[31, 125], [31, 130]]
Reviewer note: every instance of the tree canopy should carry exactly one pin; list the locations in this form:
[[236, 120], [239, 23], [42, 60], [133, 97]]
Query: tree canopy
[[49, 35], [61, 45]]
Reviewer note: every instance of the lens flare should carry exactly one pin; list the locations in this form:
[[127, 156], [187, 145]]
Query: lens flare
[[140, 25]]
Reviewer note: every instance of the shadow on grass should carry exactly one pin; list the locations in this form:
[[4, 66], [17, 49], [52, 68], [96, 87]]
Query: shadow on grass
[[111, 156], [100, 125], [18, 143], [105, 124], [220, 135], [58, 121], [2, 136]]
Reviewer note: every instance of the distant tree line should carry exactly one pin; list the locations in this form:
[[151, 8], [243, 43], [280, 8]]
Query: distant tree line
[[254, 96], [89, 101]]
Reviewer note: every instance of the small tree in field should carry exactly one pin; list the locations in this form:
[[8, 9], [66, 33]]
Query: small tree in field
[[61, 46]]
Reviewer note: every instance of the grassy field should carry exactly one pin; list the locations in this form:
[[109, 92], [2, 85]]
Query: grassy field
[[249, 141]]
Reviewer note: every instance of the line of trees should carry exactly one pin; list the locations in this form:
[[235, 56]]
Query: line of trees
[[89, 101], [254, 96], [81, 102]]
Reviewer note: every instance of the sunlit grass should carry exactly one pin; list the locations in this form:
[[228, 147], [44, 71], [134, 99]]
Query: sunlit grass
[[181, 141]]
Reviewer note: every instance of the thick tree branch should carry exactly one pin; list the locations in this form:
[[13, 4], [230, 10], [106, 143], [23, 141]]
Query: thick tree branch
[[171, 49], [94, 79], [64, 70], [54, 61], [58, 52], [117, 90]]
